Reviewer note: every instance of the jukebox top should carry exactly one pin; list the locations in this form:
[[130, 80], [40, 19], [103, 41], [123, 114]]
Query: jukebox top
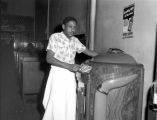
[[114, 55]]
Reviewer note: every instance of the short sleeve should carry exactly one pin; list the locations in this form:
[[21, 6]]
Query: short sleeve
[[52, 44], [79, 46]]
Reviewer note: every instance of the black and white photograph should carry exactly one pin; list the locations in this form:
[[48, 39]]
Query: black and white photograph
[[78, 59]]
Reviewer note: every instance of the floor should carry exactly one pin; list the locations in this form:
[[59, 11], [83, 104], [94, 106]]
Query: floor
[[13, 107]]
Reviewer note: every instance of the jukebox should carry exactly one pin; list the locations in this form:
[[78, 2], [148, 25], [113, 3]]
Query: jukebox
[[113, 88]]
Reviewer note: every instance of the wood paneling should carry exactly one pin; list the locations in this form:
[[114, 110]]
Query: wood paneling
[[32, 73], [32, 76]]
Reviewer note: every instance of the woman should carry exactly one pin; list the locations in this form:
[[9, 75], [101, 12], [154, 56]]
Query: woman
[[60, 93]]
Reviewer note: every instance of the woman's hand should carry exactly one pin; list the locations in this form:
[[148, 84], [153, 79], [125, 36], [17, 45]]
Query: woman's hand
[[74, 67], [85, 68]]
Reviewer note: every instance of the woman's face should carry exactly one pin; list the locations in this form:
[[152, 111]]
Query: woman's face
[[69, 28]]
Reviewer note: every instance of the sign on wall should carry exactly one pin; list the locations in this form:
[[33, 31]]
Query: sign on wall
[[128, 15]]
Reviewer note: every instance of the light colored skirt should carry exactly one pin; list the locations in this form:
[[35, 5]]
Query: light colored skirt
[[60, 95]]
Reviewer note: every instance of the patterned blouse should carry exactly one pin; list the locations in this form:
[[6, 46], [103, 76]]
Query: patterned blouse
[[65, 49]]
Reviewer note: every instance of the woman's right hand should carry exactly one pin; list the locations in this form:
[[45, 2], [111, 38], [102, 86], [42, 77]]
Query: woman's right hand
[[84, 68], [74, 67]]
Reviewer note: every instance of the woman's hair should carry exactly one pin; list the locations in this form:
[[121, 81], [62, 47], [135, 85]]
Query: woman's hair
[[69, 18]]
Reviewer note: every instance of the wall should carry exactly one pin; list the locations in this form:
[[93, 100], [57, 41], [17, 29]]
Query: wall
[[17, 15], [41, 7], [108, 33], [20, 7], [59, 9]]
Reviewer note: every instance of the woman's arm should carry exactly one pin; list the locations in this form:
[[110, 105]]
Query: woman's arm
[[90, 53], [53, 61]]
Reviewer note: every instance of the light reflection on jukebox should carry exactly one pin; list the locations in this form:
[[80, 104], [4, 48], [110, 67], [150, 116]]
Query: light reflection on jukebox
[[113, 91]]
